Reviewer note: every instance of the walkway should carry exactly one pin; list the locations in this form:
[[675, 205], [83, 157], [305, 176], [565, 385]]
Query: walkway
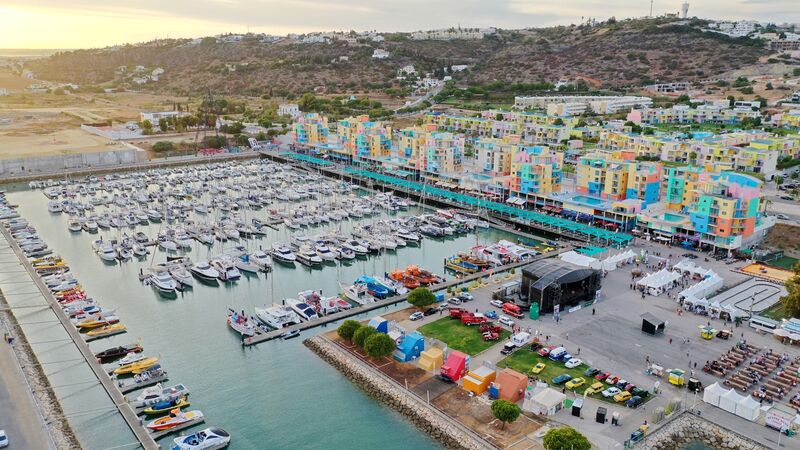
[[122, 405]]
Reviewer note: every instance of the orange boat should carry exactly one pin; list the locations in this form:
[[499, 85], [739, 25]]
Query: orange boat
[[422, 275], [408, 281]]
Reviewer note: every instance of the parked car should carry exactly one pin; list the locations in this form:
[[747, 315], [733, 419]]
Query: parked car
[[506, 321], [629, 387], [561, 379], [594, 388], [575, 383], [466, 297], [639, 392], [612, 380], [786, 197], [689, 255], [621, 383], [573, 363], [602, 376], [565, 357], [591, 372], [535, 347], [538, 368], [610, 392], [430, 311], [634, 402], [454, 301], [622, 397], [782, 216], [496, 303], [490, 314], [416, 316], [3, 439], [508, 348], [545, 351]]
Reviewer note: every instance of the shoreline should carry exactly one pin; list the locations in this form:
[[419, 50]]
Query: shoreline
[[45, 399]]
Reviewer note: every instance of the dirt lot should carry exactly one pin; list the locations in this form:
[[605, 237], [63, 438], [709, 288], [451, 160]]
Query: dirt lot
[[476, 413], [783, 236]]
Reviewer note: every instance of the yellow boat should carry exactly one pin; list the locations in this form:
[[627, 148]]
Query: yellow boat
[[106, 330], [49, 266], [48, 260], [136, 367], [95, 323]]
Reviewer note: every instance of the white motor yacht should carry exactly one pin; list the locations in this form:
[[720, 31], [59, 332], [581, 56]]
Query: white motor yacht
[[261, 259], [163, 283], [244, 264], [54, 206], [205, 272], [304, 310], [324, 252], [355, 246], [241, 324], [277, 316], [168, 246], [227, 270], [105, 250], [181, 275], [357, 293], [307, 256], [75, 225], [282, 253]]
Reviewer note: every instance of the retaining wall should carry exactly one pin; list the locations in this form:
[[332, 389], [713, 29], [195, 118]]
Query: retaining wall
[[688, 428], [55, 163], [445, 430]]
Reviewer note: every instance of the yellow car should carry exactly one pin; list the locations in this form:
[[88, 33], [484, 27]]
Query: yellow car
[[575, 383], [595, 388], [623, 396], [538, 368]]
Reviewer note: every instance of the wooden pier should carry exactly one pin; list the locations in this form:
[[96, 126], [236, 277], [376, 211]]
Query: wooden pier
[[364, 309], [116, 397]]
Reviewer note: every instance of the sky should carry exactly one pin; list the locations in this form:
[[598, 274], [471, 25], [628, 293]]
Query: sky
[[62, 24]]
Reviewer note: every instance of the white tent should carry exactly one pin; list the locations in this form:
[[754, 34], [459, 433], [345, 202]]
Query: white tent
[[578, 259], [729, 400], [546, 402], [712, 393], [748, 408], [657, 282]]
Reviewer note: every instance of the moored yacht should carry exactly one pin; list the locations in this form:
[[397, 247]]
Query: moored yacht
[[277, 316], [304, 310], [282, 253], [203, 271]]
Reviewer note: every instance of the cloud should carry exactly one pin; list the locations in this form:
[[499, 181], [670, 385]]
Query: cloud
[[145, 19]]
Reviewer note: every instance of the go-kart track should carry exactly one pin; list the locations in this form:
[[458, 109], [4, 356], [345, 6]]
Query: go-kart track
[[754, 294]]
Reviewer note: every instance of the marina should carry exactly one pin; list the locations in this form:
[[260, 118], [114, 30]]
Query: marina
[[148, 313]]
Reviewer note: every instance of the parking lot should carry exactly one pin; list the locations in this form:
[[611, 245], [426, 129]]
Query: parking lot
[[608, 336]]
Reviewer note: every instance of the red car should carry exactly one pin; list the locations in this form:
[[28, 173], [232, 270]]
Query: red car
[[629, 387], [612, 380], [544, 351], [602, 376]]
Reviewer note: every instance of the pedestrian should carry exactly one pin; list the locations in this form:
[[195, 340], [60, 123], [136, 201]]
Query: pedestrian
[[5, 338], [647, 359], [567, 335], [695, 364], [592, 311], [579, 350], [670, 341]]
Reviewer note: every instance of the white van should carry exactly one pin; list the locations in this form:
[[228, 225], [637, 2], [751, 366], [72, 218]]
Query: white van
[[521, 338], [557, 353]]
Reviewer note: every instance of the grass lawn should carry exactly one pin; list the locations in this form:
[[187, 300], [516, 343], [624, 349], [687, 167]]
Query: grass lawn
[[458, 336], [785, 262], [775, 312], [523, 361]]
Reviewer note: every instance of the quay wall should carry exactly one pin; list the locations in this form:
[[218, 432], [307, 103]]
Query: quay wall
[[62, 163], [57, 424], [688, 428], [447, 431]]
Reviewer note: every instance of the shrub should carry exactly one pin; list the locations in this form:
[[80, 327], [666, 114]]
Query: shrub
[[163, 146], [347, 329], [362, 334]]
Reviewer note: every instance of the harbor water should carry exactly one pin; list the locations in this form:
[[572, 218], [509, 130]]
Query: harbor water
[[276, 394]]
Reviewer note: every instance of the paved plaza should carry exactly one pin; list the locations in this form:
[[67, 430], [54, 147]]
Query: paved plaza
[[608, 336]]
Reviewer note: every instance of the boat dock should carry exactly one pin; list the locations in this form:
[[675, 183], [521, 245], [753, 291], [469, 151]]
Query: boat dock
[[131, 385], [358, 310], [124, 408], [183, 426]]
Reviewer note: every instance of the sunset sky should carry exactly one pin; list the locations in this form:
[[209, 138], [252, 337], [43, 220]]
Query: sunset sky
[[95, 23]]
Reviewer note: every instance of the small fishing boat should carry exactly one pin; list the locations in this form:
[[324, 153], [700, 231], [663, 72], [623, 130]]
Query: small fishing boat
[[106, 330], [136, 367], [165, 406], [97, 321], [209, 439], [290, 334], [241, 323], [156, 394], [116, 352], [175, 418]]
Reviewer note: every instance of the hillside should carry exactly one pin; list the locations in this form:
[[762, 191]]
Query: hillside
[[613, 55]]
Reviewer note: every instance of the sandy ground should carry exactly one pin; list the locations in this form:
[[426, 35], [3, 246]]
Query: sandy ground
[[55, 143]]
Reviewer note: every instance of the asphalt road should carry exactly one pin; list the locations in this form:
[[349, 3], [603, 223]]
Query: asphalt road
[[18, 416]]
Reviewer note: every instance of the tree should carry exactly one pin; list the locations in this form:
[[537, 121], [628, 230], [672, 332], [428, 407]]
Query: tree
[[361, 335], [778, 179], [558, 122], [379, 345], [565, 438], [421, 297], [163, 124], [347, 329], [163, 146], [146, 126], [791, 301], [505, 411]]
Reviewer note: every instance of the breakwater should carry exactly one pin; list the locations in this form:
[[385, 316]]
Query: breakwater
[[436, 424], [688, 428]]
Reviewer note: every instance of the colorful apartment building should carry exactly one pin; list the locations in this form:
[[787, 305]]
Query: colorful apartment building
[[494, 155], [604, 176], [431, 151], [680, 114], [311, 130], [530, 127], [722, 210], [535, 170], [362, 138]]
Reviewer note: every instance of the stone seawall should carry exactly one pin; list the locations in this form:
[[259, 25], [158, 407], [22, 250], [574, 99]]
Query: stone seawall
[[689, 428], [47, 402], [434, 423]]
